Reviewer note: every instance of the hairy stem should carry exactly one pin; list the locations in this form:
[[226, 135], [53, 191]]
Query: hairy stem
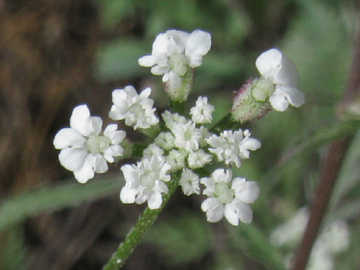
[[332, 165], [136, 234]]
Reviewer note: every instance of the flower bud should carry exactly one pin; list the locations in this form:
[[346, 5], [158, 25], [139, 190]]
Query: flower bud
[[249, 102]]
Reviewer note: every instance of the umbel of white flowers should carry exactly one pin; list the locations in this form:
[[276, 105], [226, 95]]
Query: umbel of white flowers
[[181, 144]]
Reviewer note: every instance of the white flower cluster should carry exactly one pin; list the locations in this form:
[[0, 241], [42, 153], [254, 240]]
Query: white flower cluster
[[85, 149], [174, 55], [333, 239], [185, 146], [182, 144]]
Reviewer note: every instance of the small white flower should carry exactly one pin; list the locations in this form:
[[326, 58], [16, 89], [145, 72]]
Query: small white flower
[[336, 236], [198, 159], [320, 259], [290, 233], [174, 51], [137, 110], [334, 239], [202, 112], [187, 136], [189, 182], [146, 181], [84, 150], [279, 69], [176, 159], [165, 140], [233, 146], [173, 119], [151, 150], [228, 197]]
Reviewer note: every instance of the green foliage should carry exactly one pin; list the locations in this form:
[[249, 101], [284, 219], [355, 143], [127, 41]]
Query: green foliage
[[14, 254], [118, 59], [17, 209], [181, 239], [253, 242]]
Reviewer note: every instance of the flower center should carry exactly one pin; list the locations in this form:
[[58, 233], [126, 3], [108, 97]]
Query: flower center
[[148, 179], [97, 144], [262, 89], [138, 110], [224, 193], [178, 64]]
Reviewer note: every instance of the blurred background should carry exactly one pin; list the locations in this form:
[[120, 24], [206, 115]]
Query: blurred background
[[58, 54]]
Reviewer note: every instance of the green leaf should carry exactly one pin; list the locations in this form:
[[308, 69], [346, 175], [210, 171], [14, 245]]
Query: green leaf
[[257, 246], [182, 239], [14, 254], [320, 136], [348, 211], [118, 59], [112, 12], [31, 203], [313, 38]]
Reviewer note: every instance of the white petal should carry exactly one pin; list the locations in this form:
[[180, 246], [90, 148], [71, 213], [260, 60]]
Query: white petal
[[160, 186], [72, 158], [287, 75], [278, 101], [100, 165], [147, 61], [67, 137], [130, 173], [214, 210], [95, 124], [145, 93], [80, 120], [155, 200], [130, 91], [231, 215], [115, 136], [142, 195], [127, 195], [120, 97], [118, 113], [244, 211], [84, 173], [295, 97], [197, 45], [113, 151], [177, 41], [269, 63], [118, 137], [159, 70], [160, 45], [249, 192], [222, 175], [174, 81]]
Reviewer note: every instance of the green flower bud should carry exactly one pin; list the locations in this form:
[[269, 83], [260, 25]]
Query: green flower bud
[[250, 101]]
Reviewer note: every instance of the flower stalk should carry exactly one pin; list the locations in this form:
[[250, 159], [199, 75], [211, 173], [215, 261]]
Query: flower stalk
[[332, 165], [137, 233]]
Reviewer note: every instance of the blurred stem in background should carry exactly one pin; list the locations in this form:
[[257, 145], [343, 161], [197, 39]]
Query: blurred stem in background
[[331, 168]]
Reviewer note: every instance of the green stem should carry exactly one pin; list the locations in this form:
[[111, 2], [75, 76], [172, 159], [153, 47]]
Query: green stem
[[178, 107], [225, 123], [136, 234]]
